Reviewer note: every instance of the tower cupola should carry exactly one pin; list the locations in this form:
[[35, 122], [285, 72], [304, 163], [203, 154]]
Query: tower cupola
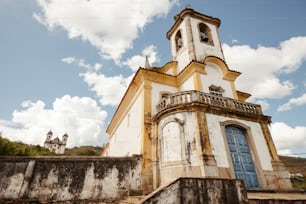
[[194, 36]]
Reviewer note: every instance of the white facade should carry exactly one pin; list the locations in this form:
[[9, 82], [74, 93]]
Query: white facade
[[214, 77], [178, 147], [202, 49], [192, 47], [177, 117], [126, 140], [157, 91], [218, 143]]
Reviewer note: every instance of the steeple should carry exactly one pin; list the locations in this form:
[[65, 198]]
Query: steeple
[[49, 136], [147, 63], [194, 36]]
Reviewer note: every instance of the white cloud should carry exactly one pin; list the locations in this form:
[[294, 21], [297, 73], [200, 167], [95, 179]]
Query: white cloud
[[293, 102], [139, 60], [110, 26], [235, 41], [110, 90], [260, 67], [287, 138], [81, 63], [264, 104], [81, 118], [69, 60]]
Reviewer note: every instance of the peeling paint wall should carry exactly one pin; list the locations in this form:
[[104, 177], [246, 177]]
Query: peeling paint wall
[[200, 191], [54, 179], [178, 147], [218, 144]]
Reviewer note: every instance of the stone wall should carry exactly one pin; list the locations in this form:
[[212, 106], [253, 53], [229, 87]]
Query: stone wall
[[200, 191], [59, 179]]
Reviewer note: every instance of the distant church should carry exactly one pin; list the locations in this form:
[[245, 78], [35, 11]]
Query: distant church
[[56, 145], [187, 119]]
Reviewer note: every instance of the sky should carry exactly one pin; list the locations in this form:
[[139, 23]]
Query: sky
[[64, 65]]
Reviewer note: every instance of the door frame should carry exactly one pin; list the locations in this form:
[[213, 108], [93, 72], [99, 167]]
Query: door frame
[[252, 148]]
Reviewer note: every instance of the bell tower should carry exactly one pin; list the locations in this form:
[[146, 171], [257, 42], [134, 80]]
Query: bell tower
[[194, 36]]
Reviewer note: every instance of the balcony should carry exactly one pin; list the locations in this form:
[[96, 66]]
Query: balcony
[[196, 97]]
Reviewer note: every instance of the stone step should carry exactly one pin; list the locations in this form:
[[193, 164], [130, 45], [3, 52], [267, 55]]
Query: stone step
[[131, 200]]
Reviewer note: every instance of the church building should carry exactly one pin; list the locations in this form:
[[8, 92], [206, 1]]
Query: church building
[[56, 145], [187, 119]]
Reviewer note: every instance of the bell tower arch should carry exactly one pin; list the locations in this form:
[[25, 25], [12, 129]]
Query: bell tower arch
[[194, 36]]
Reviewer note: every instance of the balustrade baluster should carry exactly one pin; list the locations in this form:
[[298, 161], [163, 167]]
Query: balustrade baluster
[[196, 96]]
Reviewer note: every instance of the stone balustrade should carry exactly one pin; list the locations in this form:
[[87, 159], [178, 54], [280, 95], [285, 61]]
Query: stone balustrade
[[192, 97]]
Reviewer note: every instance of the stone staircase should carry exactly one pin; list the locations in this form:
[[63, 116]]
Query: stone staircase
[[131, 200]]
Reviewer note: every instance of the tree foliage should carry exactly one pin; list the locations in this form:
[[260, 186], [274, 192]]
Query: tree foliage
[[8, 148], [84, 151]]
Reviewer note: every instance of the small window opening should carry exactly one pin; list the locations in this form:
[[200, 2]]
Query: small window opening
[[178, 40], [205, 35]]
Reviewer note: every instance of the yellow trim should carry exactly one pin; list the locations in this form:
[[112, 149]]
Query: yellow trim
[[199, 140], [133, 92], [105, 149], [197, 82], [228, 74], [269, 140], [193, 67], [242, 96], [194, 14], [123, 109], [235, 96], [146, 147], [170, 65], [152, 75]]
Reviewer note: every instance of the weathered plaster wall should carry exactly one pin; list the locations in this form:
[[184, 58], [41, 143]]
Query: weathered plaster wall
[[178, 147], [55, 179], [188, 85], [126, 140], [218, 143], [200, 191], [181, 55], [214, 76]]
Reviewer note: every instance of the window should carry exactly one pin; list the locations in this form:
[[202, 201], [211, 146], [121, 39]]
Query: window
[[216, 90], [178, 40], [205, 34]]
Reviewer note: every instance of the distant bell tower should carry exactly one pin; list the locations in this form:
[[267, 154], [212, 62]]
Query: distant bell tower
[[49, 136], [194, 36], [64, 138]]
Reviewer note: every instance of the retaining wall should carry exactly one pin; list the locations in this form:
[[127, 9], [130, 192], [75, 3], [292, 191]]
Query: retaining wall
[[60, 179]]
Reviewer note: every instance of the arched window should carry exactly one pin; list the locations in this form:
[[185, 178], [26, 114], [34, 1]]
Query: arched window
[[205, 34], [178, 40]]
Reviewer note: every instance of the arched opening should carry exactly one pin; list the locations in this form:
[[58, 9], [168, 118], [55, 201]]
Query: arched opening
[[171, 142], [178, 40], [205, 34], [241, 156]]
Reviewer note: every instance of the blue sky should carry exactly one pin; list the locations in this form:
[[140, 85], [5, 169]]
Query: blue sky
[[66, 64]]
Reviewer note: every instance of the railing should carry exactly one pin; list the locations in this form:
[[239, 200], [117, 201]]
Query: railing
[[189, 97]]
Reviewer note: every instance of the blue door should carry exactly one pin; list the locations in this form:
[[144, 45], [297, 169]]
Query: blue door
[[241, 156]]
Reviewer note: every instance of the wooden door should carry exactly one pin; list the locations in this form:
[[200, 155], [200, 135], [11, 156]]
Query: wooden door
[[241, 156]]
